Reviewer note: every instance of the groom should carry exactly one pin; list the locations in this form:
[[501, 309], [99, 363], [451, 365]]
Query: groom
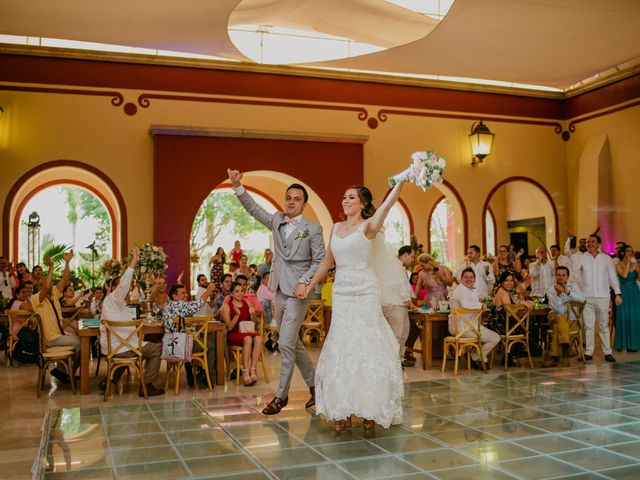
[[299, 248]]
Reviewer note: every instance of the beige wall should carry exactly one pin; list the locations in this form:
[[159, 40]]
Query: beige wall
[[38, 128]]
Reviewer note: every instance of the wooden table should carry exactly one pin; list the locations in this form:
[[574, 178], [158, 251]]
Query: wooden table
[[86, 333], [426, 320]]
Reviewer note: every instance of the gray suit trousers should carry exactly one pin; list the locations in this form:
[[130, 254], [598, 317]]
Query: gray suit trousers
[[290, 314]]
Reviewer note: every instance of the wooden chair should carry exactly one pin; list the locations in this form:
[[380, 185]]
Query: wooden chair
[[122, 337], [516, 331], [236, 354], [471, 319], [313, 321], [50, 355], [575, 314], [70, 316], [200, 335], [22, 318]]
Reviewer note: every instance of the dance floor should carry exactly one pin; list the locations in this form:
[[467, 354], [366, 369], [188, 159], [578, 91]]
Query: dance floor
[[573, 423]]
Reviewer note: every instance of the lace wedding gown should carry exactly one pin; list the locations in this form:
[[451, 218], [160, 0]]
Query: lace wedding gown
[[359, 369]]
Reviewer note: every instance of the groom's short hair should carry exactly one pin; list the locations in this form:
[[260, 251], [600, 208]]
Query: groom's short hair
[[297, 186]]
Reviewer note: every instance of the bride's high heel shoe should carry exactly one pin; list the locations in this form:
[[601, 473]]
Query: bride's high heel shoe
[[342, 425], [369, 424]]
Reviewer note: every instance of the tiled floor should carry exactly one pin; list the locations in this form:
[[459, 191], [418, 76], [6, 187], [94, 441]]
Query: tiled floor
[[575, 423]]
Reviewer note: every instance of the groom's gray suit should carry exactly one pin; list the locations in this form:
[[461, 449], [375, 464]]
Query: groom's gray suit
[[295, 260]]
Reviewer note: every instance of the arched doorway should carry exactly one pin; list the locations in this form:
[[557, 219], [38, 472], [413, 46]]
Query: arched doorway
[[64, 172], [524, 214], [442, 232]]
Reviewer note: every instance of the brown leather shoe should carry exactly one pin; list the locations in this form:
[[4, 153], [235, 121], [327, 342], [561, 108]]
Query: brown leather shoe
[[312, 401], [610, 358], [274, 407], [151, 391]]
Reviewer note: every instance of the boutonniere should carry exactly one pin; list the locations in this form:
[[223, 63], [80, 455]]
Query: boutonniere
[[304, 233]]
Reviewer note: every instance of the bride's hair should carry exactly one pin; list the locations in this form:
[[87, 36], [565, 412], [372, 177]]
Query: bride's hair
[[364, 194]]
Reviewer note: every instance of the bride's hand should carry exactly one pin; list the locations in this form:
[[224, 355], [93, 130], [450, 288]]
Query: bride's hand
[[301, 291]]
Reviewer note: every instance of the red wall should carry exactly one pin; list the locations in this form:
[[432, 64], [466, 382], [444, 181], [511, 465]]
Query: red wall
[[187, 168]]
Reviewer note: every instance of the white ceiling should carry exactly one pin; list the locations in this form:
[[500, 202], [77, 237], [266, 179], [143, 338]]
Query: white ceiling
[[554, 43]]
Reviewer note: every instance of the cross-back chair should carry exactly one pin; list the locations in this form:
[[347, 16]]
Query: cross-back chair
[[50, 355], [470, 320], [17, 319], [517, 319], [122, 337], [313, 321]]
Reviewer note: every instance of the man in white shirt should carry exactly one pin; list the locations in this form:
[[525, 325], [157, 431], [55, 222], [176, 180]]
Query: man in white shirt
[[557, 259], [115, 308], [562, 292], [541, 273], [598, 275], [396, 299], [483, 271]]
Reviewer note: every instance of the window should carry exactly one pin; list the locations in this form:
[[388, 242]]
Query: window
[[490, 232], [396, 227], [442, 233]]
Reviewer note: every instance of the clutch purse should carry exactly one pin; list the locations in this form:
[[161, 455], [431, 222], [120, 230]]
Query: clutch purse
[[247, 326]]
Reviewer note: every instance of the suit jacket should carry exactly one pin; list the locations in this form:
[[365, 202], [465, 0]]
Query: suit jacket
[[302, 258]]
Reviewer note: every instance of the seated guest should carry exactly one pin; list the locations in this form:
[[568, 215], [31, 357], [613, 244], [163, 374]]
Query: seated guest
[[136, 294], [115, 308], [46, 303], [562, 292], [36, 275], [465, 296], [20, 301], [72, 299], [233, 313], [159, 294], [541, 272], [247, 295], [434, 280], [505, 294], [179, 306], [266, 297], [96, 300], [22, 274]]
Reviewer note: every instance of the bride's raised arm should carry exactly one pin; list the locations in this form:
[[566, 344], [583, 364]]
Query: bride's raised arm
[[375, 223]]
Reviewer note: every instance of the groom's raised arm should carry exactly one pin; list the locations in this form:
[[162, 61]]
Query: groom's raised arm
[[249, 204]]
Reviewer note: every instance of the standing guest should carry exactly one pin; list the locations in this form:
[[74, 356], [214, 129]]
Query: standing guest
[[233, 313], [434, 278], [22, 274], [628, 314], [179, 306], [243, 267], [557, 259], [115, 308], [266, 297], [598, 275], [396, 297], [236, 252], [503, 262], [203, 285], [225, 284], [7, 279], [46, 303], [541, 272], [482, 270], [36, 275], [268, 259], [562, 292], [216, 262], [299, 248], [466, 296], [19, 302]]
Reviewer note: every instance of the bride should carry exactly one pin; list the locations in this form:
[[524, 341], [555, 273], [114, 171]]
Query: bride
[[359, 371]]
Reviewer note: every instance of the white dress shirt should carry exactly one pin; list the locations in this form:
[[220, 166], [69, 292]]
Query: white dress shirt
[[7, 284], [558, 303], [115, 308], [397, 291], [483, 279], [463, 297], [541, 277], [598, 274]]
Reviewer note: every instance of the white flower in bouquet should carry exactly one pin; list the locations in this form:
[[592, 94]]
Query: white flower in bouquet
[[426, 169]]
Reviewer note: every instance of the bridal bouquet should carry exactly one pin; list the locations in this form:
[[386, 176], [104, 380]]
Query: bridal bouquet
[[153, 261], [425, 170]]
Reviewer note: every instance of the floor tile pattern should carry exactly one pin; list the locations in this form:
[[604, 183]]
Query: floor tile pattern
[[564, 424]]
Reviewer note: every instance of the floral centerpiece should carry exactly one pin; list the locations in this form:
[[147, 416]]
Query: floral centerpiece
[[112, 269], [426, 169], [152, 263]]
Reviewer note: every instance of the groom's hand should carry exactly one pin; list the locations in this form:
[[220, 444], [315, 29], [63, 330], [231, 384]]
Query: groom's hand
[[235, 176], [300, 291]]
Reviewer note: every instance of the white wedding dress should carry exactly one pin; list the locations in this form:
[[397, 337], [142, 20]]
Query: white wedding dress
[[359, 369]]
